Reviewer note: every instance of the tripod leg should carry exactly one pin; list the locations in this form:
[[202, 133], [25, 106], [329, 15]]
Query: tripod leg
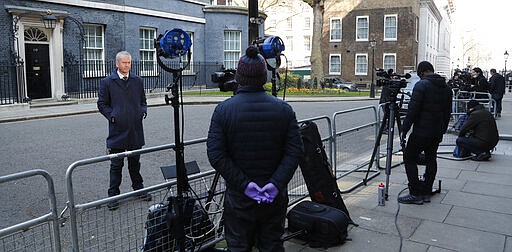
[[383, 123]]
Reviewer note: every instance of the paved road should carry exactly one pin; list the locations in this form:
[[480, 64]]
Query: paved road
[[54, 143]]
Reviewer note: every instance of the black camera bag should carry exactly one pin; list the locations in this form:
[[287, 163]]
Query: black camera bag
[[318, 224]]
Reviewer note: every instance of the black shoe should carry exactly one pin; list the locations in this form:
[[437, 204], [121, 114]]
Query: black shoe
[[113, 205], [484, 156], [411, 199], [426, 198], [146, 197]]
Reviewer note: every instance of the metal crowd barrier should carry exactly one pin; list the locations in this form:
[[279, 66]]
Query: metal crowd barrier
[[93, 227], [38, 234]]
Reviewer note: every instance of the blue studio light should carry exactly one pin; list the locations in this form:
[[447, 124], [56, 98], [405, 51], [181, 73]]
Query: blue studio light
[[272, 47], [175, 43]]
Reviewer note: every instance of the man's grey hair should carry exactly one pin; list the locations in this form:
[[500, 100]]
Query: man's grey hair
[[121, 54]]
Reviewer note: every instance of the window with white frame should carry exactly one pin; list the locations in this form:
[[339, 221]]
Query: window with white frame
[[361, 64], [289, 22], [389, 61], [184, 59], [390, 27], [335, 30], [362, 28], [94, 51], [307, 43], [232, 44], [335, 64], [288, 44], [147, 51], [307, 23]]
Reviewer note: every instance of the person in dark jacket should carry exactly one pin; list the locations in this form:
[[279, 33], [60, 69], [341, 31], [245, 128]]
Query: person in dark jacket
[[428, 114], [479, 83], [497, 89], [122, 101], [254, 143], [479, 134]]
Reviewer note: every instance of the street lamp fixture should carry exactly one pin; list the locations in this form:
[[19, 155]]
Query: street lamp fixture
[[372, 85], [49, 20]]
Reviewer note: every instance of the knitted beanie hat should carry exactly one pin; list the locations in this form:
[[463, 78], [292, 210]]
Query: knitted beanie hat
[[472, 104], [252, 68]]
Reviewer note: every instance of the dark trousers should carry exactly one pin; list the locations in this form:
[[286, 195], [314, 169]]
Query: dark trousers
[[467, 144], [498, 98], [248, 224], [415, 145], [116, 168]]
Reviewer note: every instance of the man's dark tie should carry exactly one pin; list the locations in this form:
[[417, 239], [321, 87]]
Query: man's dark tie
[[125, 78]]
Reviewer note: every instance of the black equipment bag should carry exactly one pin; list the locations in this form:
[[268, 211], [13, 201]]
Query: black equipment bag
[[160, 226], [317, 171], [318, 224]]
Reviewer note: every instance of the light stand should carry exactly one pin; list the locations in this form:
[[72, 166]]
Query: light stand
[[271, 48], [372, 85], [176, 43]]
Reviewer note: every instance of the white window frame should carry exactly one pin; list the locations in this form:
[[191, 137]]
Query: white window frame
[[97, 71], [384, 60], [361, 71], [331, 56], [332, 28], [386, 27], [232, 54], [150, 51], [189, 70], [359, 36], [307, 43], [289, 43], [307, 23]]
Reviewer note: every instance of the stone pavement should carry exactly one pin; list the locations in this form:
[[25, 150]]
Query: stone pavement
[[473, 212]]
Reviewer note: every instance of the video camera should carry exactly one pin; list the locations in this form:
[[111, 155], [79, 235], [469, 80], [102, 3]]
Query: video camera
[[391, 79], [269, 48]]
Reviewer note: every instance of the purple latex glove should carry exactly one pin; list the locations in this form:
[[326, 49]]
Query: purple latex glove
[[270, 191], [254, 192]]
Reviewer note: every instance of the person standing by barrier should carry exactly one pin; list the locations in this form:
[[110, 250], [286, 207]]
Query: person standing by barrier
[[254, 143], [479, 134], [428, 115], [122, 101], [497, 90], [479, 83]]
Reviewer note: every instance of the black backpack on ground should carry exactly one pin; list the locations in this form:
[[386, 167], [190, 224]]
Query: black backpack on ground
[[320, 225], [317, 171]]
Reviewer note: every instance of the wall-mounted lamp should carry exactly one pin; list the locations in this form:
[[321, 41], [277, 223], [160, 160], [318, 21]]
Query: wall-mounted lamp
[[49, 20]]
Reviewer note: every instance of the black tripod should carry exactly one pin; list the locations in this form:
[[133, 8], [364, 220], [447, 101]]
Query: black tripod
[[391, 115]]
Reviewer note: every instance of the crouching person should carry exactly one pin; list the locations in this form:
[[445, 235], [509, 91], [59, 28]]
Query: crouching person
[[479, 134]]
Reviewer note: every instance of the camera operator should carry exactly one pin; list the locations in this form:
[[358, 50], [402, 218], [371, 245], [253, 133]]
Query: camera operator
[[428, 114], [255, 144]]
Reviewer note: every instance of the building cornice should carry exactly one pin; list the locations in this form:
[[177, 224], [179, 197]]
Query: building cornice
[[128, 9]]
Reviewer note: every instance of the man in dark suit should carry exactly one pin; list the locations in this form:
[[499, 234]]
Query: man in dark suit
[[121, 99], [497, 89]]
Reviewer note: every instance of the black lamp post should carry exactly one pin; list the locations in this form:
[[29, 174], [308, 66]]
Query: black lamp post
[[505, 56], [49, 20], [372, 85]]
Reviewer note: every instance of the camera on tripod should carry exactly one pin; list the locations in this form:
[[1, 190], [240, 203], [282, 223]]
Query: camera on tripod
[[225, 79], [269, 48], [391, 80]]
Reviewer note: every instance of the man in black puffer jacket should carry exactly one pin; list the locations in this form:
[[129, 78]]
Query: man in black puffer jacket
[[255, 144], [428, 114], [479, 134]]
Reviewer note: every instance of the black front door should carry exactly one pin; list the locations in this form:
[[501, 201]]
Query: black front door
[[38, 71]]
